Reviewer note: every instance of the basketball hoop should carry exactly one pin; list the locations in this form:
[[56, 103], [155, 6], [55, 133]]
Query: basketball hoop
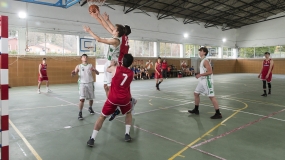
[[96, 2], [91, 49]]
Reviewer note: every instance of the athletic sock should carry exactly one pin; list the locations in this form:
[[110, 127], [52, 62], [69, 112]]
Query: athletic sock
[[128, 127], [196, 107], [218, 111], [159, 83], [94, 134], [264, 91]]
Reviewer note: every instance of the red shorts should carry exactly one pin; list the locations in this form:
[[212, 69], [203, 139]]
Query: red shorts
[[158, 76], [263, 77], [43, 79], [109, 108]]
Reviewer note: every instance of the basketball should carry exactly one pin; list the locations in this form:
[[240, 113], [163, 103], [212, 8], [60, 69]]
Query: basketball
[[93, 8]]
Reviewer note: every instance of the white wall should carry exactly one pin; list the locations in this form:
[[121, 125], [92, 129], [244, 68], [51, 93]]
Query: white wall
[[70, 21], [269, 33]]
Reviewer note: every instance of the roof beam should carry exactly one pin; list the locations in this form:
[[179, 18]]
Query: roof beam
[[137, 6]]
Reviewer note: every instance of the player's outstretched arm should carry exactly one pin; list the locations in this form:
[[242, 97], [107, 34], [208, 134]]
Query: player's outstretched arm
[[40, 67], [76, 70], [105, 24], [112, 41], [110, 24], [101, 20]]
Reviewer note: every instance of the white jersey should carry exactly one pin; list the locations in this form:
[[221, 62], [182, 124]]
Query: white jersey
[[85, 73], [204, 70], [205, 85], [114, 52]]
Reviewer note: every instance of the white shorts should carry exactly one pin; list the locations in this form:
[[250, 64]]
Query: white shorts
[[86, 91], [205, 87], [107, 75]]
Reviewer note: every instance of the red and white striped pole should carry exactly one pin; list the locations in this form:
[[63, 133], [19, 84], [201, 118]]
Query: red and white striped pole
[[4, 109]]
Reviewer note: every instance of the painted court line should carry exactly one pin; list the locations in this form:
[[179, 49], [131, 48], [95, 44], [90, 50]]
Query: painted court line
[[34, 152], [227, 108], [207, 133], [169, 139], [259, 102], [150, 132], [236, 129], [39, 107]]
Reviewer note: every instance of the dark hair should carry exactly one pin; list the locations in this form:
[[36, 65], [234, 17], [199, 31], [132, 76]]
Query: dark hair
[[267, 53], [44, 59], [128, 60], [204, 49], [120, 29], [84, 55], [127, 30]]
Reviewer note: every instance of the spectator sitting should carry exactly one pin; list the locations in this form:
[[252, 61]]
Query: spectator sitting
[[187, 71], [139, 72], [133, 69], [146, 73], [192, 72], [143, 74]]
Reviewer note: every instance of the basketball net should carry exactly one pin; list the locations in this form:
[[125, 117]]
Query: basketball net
[[96, 2]]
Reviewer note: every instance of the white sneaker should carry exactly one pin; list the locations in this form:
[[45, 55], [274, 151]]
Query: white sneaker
[[39, 92], [48, 90]]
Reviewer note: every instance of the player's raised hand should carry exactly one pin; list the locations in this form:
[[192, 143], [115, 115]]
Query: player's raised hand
[[95, 15], [86, 28]]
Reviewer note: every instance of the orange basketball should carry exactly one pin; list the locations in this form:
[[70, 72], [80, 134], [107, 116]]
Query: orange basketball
[[93, 8]]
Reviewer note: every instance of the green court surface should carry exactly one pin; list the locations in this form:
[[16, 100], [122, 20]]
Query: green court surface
[[45, 126]]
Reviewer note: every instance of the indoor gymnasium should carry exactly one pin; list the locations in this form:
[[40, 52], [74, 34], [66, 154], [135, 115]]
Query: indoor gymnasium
[[142, 79]]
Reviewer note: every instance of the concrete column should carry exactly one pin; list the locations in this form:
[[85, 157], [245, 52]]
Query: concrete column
[[220, 52], [235, 53], [181, 50], [156, 49]]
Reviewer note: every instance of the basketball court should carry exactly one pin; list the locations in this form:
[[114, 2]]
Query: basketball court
[[45, 126], [162, 127]]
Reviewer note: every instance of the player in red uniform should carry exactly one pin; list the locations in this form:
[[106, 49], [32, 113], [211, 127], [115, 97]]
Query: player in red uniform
[[124, 48], [119, 96], [266, 73], [158, 74], [43, 76]]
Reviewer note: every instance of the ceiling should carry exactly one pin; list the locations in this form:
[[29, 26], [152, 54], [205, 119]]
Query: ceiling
[[229, 14]]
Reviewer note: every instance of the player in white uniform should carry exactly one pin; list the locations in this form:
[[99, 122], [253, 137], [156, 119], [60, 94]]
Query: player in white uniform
[[112, 55], [107, 24], [85, 84], [114, 49], [205, 85]]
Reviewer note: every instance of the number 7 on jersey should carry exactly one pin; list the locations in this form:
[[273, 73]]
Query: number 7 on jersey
[[126, 76]]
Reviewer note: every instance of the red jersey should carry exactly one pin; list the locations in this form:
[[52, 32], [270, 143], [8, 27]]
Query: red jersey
[[158, 67], [124, 48], [44, 70], [120, 86], [266, 66], [164, 65]]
